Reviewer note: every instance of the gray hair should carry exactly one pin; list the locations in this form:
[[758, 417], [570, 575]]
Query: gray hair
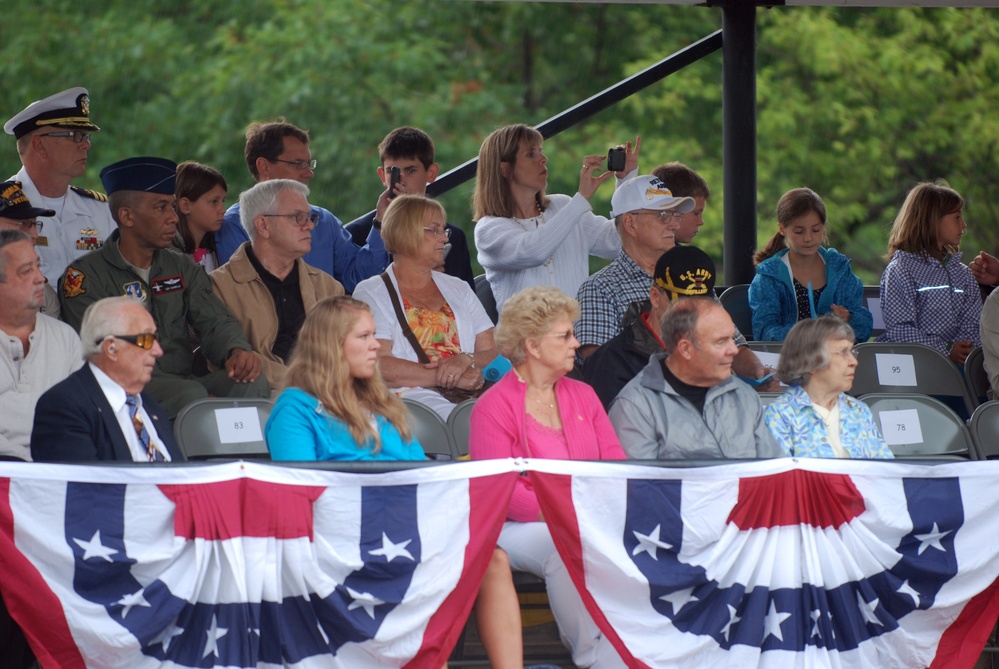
[[260, 200], [10, 237], [804, 349], [102, 319], [528, 315], [680, 322]]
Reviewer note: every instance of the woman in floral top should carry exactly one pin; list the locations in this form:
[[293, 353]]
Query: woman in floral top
[[815, 418], [441, 311]]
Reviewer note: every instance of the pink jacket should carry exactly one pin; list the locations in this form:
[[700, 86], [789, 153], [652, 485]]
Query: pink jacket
[[499, 430]]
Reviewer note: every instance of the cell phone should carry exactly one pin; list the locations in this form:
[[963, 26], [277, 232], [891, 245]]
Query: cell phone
[[394, 174], [616, 159]]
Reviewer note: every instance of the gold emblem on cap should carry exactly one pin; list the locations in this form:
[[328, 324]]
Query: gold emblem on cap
[[85, 104], [696, 279], [652, 193]]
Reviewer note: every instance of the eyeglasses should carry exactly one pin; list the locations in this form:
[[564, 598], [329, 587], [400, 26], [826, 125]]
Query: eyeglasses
[[564, 336], [30, 224], [78, 135], [437, 232], [143, 341], [300, 217], [667, 216], [846, 352], [297, 164]]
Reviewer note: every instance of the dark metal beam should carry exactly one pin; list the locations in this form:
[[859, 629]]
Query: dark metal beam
[[739, 139], [596, 104]]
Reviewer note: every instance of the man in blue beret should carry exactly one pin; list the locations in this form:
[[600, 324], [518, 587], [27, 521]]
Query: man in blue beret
[[53, 142], [136, 261]]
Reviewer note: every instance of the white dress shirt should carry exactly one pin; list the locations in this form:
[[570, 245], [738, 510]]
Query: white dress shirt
[[116, 397]]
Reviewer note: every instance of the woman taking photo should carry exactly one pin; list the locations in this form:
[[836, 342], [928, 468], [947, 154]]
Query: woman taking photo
[[815, 418], [535, 412], [200, 192], [527, 238], [336, 407], [434, 335], [797, 278]]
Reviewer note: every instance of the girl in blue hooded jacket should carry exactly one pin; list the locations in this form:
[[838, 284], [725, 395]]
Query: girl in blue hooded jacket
[[797, 278]]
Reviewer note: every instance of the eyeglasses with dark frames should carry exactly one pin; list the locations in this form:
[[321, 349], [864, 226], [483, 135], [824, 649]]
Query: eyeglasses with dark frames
[[297, 164], [78, 135], [143, 341], [300, 217]]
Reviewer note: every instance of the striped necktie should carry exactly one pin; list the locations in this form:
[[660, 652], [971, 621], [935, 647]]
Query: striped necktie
[[140, 429]]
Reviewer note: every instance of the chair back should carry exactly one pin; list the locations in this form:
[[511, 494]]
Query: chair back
[[485, 294], [872, 300], [459, 422], [918, 426], [430, 430], [735, 299], [976, 377], [221, 427], [984, 426], [766, 399], [909, 368]]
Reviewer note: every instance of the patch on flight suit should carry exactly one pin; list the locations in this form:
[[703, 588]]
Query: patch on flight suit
[[92, 194], [72, 282], [89, 241], [134, 289], [170, 284]]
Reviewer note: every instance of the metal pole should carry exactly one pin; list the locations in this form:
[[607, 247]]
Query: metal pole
[[739, 139]]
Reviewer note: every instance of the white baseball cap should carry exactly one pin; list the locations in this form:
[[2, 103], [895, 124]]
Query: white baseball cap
[[647, 192]]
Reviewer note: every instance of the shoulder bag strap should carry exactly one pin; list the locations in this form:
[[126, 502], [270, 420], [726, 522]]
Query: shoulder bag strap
[[403, 322]]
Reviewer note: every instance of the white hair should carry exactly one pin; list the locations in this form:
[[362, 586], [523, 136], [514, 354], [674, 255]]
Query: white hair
[[260, 200], [102, 319]]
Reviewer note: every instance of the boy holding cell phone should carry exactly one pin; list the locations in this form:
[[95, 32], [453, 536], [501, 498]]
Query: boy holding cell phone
[[407, 166]]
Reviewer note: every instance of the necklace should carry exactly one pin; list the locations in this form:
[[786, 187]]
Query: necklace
[[550, 405], [541, 215]]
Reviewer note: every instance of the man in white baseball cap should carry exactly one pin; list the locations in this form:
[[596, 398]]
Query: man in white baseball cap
[[646, 215], [53, 139]]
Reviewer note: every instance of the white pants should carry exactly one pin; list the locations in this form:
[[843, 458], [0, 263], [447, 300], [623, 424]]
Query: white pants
[[532, 550]]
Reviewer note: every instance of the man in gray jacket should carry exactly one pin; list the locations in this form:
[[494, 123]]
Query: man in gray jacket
[[685, 404]]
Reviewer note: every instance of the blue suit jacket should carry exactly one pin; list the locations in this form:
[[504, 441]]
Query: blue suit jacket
[[75, 423]]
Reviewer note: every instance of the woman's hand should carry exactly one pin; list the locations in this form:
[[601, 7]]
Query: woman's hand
[[589, 182], [985, 269], [841, 312], [631, 158], [471, 379], [450, 370]]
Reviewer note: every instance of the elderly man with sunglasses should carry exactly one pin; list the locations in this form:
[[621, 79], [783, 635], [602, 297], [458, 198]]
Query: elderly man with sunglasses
[[53, 140], [267, 284], [137, 261], [101, 412]]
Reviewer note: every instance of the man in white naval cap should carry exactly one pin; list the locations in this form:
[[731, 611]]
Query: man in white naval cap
[[53, 139]]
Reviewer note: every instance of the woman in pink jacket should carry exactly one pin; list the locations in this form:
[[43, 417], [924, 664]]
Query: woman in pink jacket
[[535, 412]]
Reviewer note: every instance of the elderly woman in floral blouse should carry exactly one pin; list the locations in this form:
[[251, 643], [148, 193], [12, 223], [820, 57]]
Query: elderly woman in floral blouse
[[815, 418]]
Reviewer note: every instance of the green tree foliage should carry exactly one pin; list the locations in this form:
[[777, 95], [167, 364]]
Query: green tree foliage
[[857, 104]]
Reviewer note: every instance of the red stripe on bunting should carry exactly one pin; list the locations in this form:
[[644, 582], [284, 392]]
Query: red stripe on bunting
[[962, 642], [796, 497], [242, 508], [489, 497], [554, 492], [30, 601]]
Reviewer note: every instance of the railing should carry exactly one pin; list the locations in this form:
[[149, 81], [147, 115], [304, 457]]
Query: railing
[[595, 104]]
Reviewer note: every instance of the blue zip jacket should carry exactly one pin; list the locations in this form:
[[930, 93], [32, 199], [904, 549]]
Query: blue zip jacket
[[775, 309]]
